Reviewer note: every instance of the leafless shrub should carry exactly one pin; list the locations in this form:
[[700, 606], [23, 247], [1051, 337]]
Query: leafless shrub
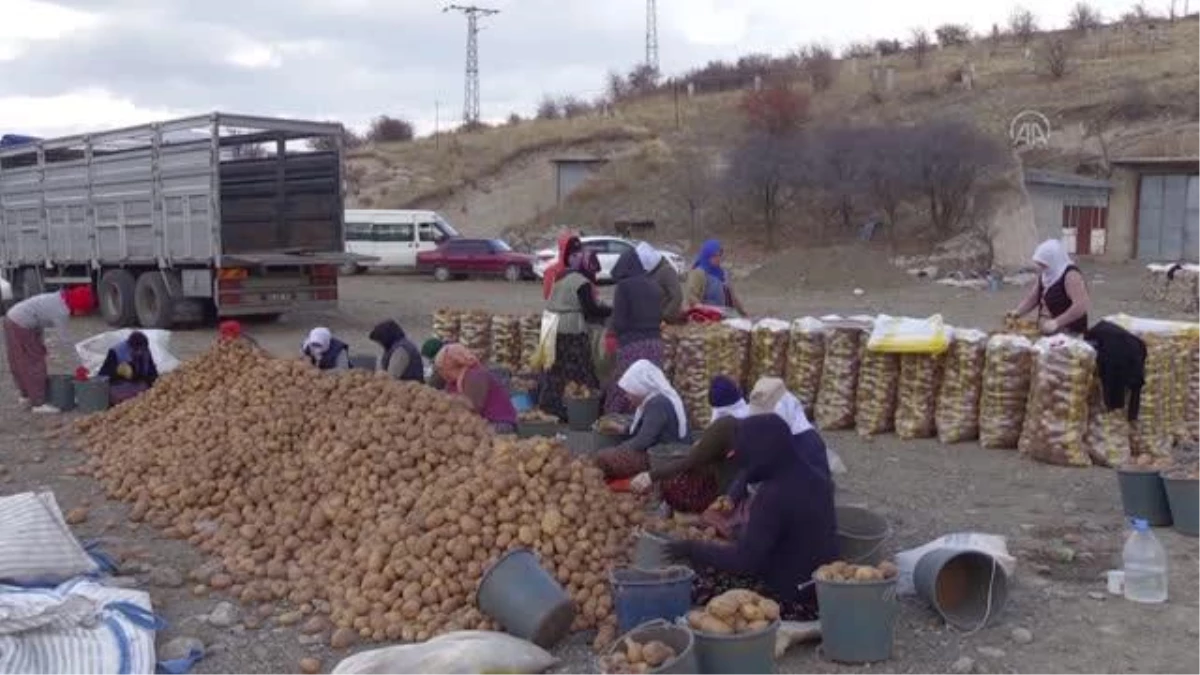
[[953, 35], [1085, 17], [920, 46], [548, 109], [386, 129], [1023, 25], [819, 66], [1056, 55], [888, 47]]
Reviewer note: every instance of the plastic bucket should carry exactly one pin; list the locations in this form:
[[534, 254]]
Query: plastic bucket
[[364, 362], [1184, 497], [676, 637], [858, 620], [523, 598], [968, 588], [664, 455], [1144, 496], [92, 395], [744, 653], [640, 595], [60, 392], [582, 413], [650, 550], [861, 535], [535, 429], [521, 401]]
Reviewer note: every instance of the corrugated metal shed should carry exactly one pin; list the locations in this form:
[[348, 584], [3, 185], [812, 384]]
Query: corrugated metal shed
[[571, 172]]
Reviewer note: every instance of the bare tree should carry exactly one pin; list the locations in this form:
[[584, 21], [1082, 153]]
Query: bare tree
[[1023, 25], [1085, 18], [573, 107], [350, 140], [887, 174], [642, 79], [953, 35], [616, 86], [920, 46], [834, 170], [386, 129], [1056, 56], [691, 182], [763, 167], [888, 47], [548, 109], [947, 159], [818, 64]]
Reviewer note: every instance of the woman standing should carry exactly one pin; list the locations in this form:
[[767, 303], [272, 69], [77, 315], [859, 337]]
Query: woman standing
[[466, 376], [573, 302], [707, 283], [660, 419], [790, 532], [636, 324], [663, 273], [1060, 292], [24, 338]]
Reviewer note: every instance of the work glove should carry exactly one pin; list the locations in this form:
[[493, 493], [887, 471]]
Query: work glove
[[125, 371], [641, 483]]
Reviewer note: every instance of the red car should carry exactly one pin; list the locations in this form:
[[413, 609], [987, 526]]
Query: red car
[[457, 258]]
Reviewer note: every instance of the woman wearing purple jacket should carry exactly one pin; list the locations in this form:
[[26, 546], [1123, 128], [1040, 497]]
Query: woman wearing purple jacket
[[790, 532]]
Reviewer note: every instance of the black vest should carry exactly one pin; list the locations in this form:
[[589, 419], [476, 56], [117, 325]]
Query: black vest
[[1056, 301], [329, 359], [415, 372]]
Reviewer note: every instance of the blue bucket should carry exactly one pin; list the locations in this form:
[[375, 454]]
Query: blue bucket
[[522, 401], [644, 595]]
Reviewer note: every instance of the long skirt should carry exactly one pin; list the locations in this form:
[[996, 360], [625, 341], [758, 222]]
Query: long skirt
[[572, 363], [622, 462], [710, 583], [26, 354], [689, 492], [119, 392], [615, 400]]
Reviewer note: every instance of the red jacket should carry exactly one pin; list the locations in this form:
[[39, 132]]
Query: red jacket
[[557, 266]]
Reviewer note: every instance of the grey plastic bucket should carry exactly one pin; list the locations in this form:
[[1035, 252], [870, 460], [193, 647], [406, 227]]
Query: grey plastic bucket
[[968, 588], [523, 598], [858, 620], [60, 392], [650, 550], [92, 395], [535, 429], [1144, 496], [661, 456], [364, 362], [1184, 497], [582, 413], [678, 638], [743, 653], [641, 595], [861, 535]]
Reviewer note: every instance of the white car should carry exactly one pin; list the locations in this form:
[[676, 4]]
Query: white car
[[6, 296], [607, 250]]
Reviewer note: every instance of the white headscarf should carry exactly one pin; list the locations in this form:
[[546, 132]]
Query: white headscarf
[[1053, 255], [770, 394], [317, 342], [648, 256], [738, 410], [644, 380]]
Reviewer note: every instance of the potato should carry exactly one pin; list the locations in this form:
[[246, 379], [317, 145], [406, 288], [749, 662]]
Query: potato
[[656, 653], [633, 651], [722, 607], [711, 624], [755, 626], [751, 612], [695, 618], [769, 609], [888, 569]]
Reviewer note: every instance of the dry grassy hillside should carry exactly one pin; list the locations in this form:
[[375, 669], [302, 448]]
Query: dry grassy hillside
[[1134, 85]]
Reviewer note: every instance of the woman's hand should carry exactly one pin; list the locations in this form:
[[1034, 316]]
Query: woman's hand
[[641, 483], [1049, 326], [721, 504], [678, 551]]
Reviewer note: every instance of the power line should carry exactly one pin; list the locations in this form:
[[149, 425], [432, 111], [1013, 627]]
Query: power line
[[652, 34], [471, 86]]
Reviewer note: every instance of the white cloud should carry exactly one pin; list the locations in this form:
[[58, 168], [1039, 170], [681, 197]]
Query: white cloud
[[61, 115], [23, 23]]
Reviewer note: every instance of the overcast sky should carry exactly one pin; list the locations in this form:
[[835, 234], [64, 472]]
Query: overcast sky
[[76, 65]]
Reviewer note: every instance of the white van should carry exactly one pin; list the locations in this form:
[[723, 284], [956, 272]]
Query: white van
[[394, 237]]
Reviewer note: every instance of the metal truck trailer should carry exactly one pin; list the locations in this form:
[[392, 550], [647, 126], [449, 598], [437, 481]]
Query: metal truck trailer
[[212, 216]]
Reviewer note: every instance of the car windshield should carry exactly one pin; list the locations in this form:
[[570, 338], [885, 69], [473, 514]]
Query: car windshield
[[500, 246], [446, 228]]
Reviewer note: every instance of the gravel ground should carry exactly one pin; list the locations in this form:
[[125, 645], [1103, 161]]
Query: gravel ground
[[1049, 514]]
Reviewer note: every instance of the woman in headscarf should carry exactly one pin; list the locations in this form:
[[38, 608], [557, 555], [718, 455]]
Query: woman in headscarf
[[429, 352], [664, 275], [325, 351], [555, 269], [1060, 292], [400, 357], [790, 532], [129, 368], [636, 324], [691, 483], [25, 324], [573, 301], [466, 376], [707, 283], [659, 419]]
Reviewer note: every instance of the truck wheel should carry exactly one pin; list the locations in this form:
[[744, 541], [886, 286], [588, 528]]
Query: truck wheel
[[31, 284], [350, 269], [153, 301], [512, 273], [442, 274], [116, 298]]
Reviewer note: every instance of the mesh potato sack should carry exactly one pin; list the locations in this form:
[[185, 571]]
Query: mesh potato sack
[[506, 342], [1156, 419], [1183, 350], [875, 397], [1056, 418], [691, 373], [839, 378], [1192, 411], [531, 334], [957, 414], [735, 357], [1007, 373], [768, 349], [805, 359], [1108, 440], [475, 333], [670, 337], [446, 324], [916, 403], [1026, 328]]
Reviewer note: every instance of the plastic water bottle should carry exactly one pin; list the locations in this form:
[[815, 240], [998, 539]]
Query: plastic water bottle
[[1145, 565]]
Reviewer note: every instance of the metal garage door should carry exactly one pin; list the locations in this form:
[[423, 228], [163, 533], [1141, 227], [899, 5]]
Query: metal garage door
[[1169, 218]]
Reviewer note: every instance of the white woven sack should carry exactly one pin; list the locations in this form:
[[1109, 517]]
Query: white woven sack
[[36, 546]]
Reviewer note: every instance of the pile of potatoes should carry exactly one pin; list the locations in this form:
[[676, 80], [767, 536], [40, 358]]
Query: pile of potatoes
[[844, 572], [734, 612], [631, 656], [368, 505]]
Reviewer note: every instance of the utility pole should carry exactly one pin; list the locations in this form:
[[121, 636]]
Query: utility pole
[[471, 87], [652, 34]]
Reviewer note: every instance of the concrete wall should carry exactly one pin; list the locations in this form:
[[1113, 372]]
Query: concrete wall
[[1122, 216], [570, 175]]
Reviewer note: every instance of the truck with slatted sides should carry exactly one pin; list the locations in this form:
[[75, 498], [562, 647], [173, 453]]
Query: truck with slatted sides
[[181, 221]]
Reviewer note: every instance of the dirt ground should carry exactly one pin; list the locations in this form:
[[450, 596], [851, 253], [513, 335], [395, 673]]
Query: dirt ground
[[1064, 525]]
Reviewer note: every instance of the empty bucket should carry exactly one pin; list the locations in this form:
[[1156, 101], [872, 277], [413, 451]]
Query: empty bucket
[[861, 535], [1184, 497], [582, 413], [678, 638], [967, 588], [742, 653], [858, 619], [91, 395], [363, 362], [650, 550], [525, 600], [60, 392], [640, 595], [1144, 496]]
